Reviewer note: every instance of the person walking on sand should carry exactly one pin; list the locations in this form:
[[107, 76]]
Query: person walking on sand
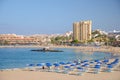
[[43, 67]]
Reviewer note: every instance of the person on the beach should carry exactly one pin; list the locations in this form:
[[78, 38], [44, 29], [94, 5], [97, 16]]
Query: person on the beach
[[43, 67]]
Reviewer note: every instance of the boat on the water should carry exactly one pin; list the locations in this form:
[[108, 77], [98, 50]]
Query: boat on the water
[[46, 50]]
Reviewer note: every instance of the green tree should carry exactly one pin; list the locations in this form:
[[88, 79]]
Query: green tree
[[75, 41], [95, 32], [6, 42], [89, 41]]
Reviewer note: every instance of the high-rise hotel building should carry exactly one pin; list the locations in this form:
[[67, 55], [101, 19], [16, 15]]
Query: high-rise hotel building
[[82, 31]]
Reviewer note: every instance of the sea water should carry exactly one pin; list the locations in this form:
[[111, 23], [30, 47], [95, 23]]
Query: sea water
[[20, 57]]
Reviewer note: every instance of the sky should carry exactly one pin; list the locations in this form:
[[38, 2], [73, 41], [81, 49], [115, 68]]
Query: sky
[[28, 17]]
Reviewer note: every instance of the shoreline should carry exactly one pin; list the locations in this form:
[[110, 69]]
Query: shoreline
[[111, 49]]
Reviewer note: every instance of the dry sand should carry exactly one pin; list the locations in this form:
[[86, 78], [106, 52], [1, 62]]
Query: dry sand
[[35, 75]]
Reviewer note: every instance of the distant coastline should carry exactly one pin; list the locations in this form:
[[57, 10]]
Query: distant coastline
[[111, 49]]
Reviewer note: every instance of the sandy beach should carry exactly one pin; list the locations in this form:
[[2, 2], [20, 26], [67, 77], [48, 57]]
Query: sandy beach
[[35, 75]]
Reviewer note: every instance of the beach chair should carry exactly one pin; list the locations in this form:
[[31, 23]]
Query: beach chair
[[59, 69], [112, 66], [48, 67], [66, 69], [31, 67], [77, 72], [38, 67], [109, 68], [97, 69]]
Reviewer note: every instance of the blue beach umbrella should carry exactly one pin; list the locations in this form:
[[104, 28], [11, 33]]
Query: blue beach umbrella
[[106, 60], [72, 65], [80, 68], [98, 63], [116, 59], [91, 62], [62, 63], [115, 62], [66, 66], [97, 66], [86, 61], [86, 65], [97, 60], [56, 64], [38, 64], [31, 65], [68, 62], [110, 66], [77, 62], [48, 64]]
